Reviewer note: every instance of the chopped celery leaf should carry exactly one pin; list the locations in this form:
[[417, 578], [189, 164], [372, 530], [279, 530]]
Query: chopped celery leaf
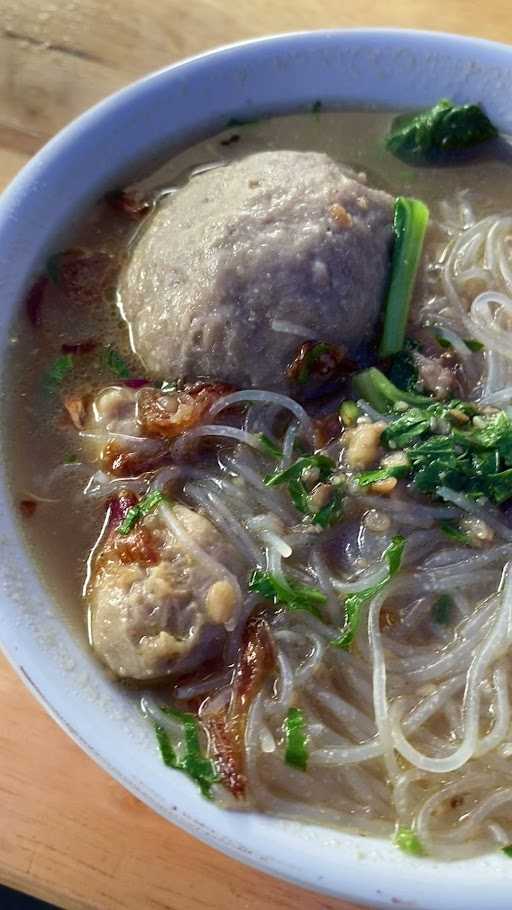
[[296, 753], [355, 603], [193, 763], [280, 590]]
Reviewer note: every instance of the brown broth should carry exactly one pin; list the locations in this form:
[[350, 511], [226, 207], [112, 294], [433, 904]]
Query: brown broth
[[61, 533]]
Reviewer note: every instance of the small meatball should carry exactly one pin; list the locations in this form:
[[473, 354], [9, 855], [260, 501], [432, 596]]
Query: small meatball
[[284, 236], [362, 444], [156, 605]]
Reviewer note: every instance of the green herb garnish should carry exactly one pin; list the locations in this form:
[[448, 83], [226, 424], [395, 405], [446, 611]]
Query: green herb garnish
[[193, 763], [446, 444], [60, 368], [409, 226], [442, 611], [268, 447], [70, 458], [139, 511], [113, 361], [441, 129], [367, 478], [451, 529], [443, 342], [507, 851], [280, 590], [355, 603], [294, 478], [473, 344], [296, 753], [409, 842]]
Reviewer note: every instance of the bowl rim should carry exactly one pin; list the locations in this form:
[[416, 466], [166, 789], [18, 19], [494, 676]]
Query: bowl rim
[[409, 871]]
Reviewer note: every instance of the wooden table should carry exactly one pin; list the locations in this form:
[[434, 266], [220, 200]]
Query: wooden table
[[68, 833]]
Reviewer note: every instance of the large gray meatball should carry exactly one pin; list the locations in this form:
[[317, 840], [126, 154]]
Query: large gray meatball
[[278, 237], [162, 597]]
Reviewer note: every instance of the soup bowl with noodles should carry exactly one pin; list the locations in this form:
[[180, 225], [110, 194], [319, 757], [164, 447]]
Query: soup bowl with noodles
[[257, 454]]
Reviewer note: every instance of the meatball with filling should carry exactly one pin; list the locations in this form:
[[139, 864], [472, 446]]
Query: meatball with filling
[[162, 596], [239, 267]]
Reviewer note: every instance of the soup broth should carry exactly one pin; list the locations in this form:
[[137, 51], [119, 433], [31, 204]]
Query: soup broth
[[294, 717]]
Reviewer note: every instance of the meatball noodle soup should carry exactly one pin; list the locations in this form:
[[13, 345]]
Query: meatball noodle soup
[[263, 456]]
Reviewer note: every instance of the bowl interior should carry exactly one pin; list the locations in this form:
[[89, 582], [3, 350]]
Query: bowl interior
[[136, 129]]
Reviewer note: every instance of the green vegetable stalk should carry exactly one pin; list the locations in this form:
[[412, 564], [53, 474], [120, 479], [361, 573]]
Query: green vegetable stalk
[[409, 226]]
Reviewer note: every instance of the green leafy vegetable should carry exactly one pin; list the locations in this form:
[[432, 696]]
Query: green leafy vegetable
[[442, 611], [193, 763], [441, 129], [139, 511], [70, 458], [268, 447], [409, 842], [409, 226], [113, 361], [349, 412], [280, 590], [508, 851], [355, 603], [452, 530], [296, 753], [60, 368], [320, 469], [377, 390]]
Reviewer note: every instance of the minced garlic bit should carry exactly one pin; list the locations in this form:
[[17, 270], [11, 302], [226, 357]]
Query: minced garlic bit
[[377, 521], [221, 601], [478, 532], [397, 459], [384, 487], [362, 442]]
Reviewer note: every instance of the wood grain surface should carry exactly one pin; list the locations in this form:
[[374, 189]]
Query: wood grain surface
[[68, 833]]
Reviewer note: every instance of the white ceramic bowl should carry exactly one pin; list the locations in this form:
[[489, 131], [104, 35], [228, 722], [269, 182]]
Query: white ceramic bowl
[[99, 150]]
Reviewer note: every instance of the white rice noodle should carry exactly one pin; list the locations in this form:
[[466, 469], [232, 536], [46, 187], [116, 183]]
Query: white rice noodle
[[494, 644], [293, 328], [222, 432], [486, 313], [221, 516], [487, 513], [266, 398]]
